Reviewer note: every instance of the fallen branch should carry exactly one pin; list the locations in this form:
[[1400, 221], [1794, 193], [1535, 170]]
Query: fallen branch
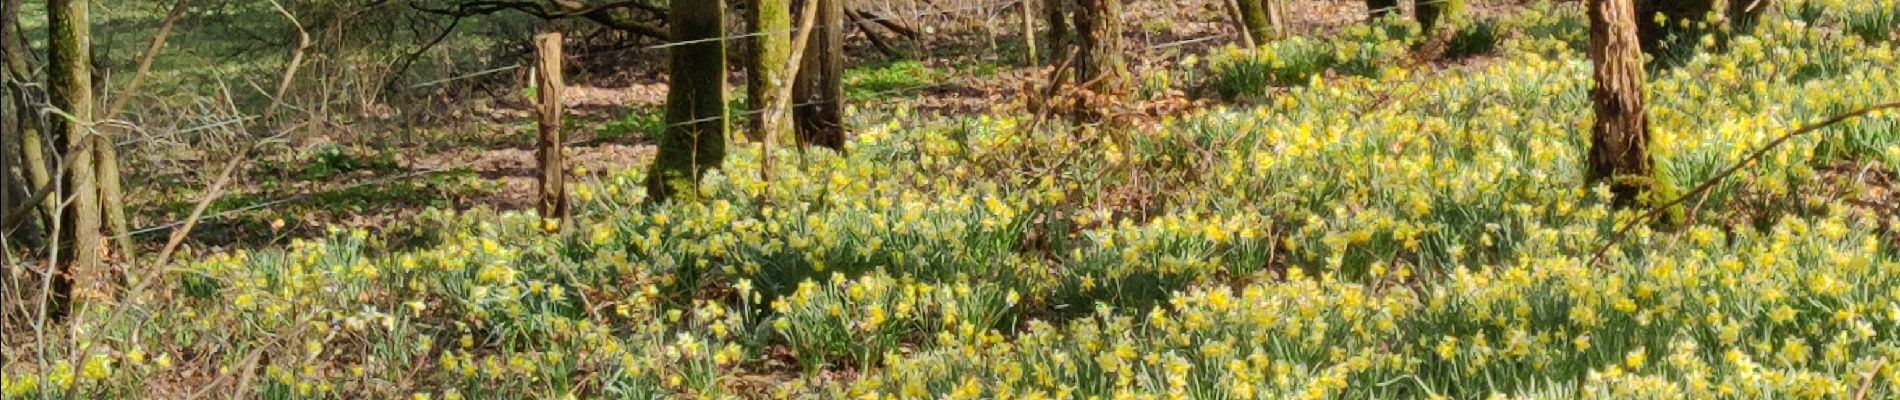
[[887, 23], [1753, 156], [874, 38]]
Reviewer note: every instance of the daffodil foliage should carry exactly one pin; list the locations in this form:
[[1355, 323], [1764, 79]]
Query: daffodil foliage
[[1385, 233]]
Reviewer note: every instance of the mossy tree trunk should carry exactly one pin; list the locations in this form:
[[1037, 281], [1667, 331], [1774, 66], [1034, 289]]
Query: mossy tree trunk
[[1380, 8], [83, 275], [14, 72], [12, 182], [695, 136], [818, 93], [1431, 12], [1619, 139], [1099, 64], [1256, 17], [13, 191], [771, 20], [112, 195]]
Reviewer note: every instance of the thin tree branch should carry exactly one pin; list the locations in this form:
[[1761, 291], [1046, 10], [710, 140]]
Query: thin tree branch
[[1754, 156], [145, 61]]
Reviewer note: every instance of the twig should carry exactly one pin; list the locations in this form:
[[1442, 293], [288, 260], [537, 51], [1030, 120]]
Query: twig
[[1867, 380], [1753, 156], [1056, 78], [18, 214], [211, 194], [296, 61]]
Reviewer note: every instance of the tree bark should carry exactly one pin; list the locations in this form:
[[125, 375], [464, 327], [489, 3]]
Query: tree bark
[[780, 108], [82, 275], [1029, 32], [112, 195], [32, 150], [819, 90], [12, 183], [1619, 139], [10, 180], [1431, 12], [1376, 9], [1257, 18], [765, 68], [549, 148], [1055, 14], [1099, 65], [695, 136]]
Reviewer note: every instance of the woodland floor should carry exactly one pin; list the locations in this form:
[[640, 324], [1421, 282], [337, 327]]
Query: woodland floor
[[480, 153]]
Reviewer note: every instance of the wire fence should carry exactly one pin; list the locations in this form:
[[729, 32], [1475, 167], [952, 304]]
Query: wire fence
[[662, 46], [989, 5]]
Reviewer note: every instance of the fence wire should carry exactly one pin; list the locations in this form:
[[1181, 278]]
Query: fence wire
[[991, 5]]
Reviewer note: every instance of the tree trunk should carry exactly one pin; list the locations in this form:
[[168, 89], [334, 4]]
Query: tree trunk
[[1055, 14], [1099, 65], [1380, 8], [32, 143], [552, 108], [1430, 12], [11, 182], [112, 195], [765, 68], [1029, 32], [1256, 19], [1619, 139], [695, 136], [819, 90], [13, 189], [82, 274]]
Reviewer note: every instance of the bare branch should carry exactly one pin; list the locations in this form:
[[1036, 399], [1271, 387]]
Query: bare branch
[[145, 61], [1753, 156], [560, 9]]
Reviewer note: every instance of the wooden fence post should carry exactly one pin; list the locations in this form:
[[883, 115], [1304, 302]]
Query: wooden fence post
[[548, 149]]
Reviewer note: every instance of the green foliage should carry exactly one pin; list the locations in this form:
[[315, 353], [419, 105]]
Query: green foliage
[[1363, 50], [1243, 74], [1474, 38], [331, 161], [1874, 20], [638, 122], [1545, 21], [868, 83], [861, 321], [1366, 50]]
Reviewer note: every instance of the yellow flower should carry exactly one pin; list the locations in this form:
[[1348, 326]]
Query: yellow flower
[[97, 367]]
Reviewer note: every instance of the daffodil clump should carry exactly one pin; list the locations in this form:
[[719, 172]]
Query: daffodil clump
[[1394, 234], [858, 322], [1361, 50]]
